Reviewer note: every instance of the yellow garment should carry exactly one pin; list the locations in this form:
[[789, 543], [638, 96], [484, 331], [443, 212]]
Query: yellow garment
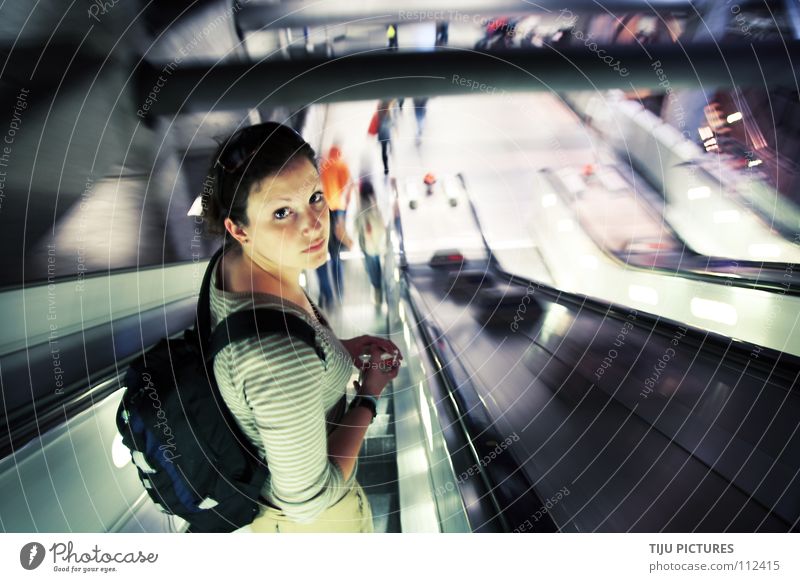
[[391, 32]]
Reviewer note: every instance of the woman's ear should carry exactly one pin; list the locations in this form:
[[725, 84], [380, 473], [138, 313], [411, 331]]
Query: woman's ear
[[237, 231]]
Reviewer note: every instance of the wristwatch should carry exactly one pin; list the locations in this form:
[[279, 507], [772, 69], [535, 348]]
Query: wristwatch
[[366, 401]]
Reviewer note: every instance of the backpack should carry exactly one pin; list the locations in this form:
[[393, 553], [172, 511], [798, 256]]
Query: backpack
[[371, 231], [191, 456], [373, 125]]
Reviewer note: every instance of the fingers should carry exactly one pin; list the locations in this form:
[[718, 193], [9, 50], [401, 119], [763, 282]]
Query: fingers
[[363, 361], [374, 348], [369, 340], [379, 355], [374, 352], [384, 345], [380, 362]]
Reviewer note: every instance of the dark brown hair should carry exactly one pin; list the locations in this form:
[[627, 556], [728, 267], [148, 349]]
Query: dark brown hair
[[242, 160]]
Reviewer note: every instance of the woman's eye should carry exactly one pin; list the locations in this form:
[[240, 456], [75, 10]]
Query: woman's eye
[[281, 213], [317, 197]]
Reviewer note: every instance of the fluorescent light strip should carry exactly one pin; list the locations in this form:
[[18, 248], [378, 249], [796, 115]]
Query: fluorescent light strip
[[643, 294], [705, 133], [548, 200], [699, 192], [762, 250], [723, 216], [589, 262], [714, 311], [566, 225]]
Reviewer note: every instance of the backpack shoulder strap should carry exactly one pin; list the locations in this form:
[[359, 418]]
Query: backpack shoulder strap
[[254, 322], [203, 311]]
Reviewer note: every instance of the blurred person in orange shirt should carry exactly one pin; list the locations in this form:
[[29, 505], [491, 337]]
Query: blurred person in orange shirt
[[337, 186]]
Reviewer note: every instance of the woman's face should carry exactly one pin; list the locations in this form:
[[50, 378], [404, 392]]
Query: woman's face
[[288, 219]]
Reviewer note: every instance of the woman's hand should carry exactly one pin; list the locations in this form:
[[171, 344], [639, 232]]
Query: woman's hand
[[378, 371], [360, 345]]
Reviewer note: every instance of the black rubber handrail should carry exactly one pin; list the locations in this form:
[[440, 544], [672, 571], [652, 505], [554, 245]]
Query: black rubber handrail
[[511, 493], [94, 361], [779, 364]]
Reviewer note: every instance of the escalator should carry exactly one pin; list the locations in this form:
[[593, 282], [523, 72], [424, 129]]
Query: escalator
[[626, 421], [649, 426]]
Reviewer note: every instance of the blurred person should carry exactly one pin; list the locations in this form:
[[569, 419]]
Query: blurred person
[[391, 37], [371, 237], [336, 187], [420, 109], [267, 201], [385, 122], [498, 34], [442, 33]]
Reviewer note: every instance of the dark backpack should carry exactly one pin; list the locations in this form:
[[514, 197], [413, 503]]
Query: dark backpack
[[192, 458]]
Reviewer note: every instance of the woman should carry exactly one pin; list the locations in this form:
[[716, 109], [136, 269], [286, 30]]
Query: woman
[[371, 237], [268, 203]]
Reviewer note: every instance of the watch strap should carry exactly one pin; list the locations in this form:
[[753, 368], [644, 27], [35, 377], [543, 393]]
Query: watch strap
[[366, 401]]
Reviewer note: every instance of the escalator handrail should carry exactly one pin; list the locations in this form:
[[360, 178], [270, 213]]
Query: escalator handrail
[[761, 358], [679, 269], [476, 423], [444, 372]]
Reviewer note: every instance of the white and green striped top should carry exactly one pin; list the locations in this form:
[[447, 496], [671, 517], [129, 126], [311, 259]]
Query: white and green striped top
[[286, 402]]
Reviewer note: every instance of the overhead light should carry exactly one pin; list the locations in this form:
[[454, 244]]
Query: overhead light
[[643, 294], [120, 454], [710, 142], [589, 262], [705, 133], [753, 163], [197, 207], [566, 225], [762, 250], [733, 117], [548, 200], [722, 216], [699, 192], [714, 311]]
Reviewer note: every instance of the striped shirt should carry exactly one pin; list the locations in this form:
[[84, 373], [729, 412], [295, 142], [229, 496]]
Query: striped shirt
[[286, 401]]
